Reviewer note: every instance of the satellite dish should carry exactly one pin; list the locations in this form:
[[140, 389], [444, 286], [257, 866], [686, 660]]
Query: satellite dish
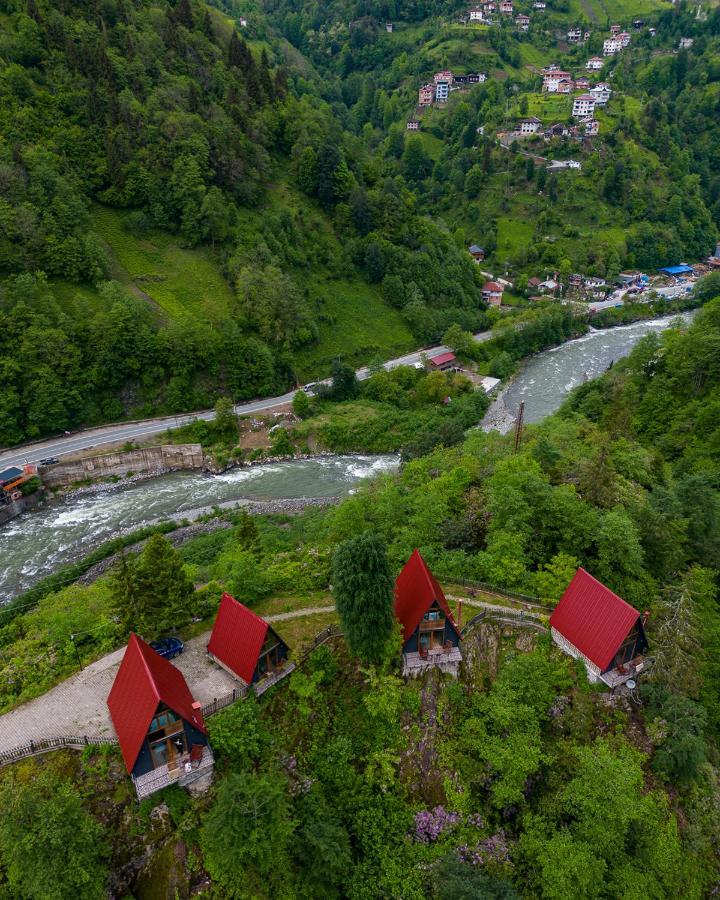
[[631, 684]]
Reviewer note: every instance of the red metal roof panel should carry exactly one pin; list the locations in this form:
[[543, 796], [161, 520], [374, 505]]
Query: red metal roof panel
[[593, 618], [415, 592], [442, 358], [237, 637], [144, 680]]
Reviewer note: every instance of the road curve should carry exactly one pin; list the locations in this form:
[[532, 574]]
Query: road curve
[[131, 431]]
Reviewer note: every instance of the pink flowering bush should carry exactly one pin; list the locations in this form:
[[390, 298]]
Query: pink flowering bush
[[431, 823]]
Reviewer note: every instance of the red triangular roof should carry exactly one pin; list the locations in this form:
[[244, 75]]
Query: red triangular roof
[[237, 637], [416, 589], [144, 680], [442, 358], [593, 619]]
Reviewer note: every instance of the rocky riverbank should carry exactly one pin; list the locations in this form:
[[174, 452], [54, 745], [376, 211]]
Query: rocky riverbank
[[186, 532]]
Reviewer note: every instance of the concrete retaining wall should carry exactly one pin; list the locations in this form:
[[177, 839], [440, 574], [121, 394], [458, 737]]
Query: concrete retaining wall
[[10, 510], [150, 460]]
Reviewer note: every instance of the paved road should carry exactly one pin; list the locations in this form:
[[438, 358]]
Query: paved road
[[131, 431]]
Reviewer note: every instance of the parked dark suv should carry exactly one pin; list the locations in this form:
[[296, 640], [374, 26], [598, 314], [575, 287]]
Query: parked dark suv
[[168, 647]]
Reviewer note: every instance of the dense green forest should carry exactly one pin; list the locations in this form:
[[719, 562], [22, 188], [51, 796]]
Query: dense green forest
[[519, 779], [189, 207]]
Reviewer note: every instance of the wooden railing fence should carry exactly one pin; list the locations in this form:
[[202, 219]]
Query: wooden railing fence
[[35, 748], [488, 588]]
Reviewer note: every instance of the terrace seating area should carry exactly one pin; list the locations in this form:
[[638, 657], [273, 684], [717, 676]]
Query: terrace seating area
[[186, 769], [447, 659]]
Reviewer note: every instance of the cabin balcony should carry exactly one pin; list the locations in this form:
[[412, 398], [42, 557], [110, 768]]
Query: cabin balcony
[[184, 772], [622, 674], [272, 677], [446, 659]]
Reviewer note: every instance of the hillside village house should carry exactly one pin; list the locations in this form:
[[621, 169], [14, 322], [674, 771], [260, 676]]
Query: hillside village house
[[594, 64], [551, 79], [584, 105], [575, 35], [442, 362], [506, 7], [582, 83], [590, 126], [247, 647], [492, 293], [477, 253], [565, 86], [475, 14], [593, 624], [539, 4], [528, 126], [489, 7], [426, 95], [624, 38], [558, 130], [601, 92], [389, 27], [445, 75], [685, 43], [477, 77], [442, 91], [160, 727], [611, 46], [429, 633], [413, 125], [523, 22], [615, 29]]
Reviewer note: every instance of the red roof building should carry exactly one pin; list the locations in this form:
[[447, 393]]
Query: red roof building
[[593, 624], [430, 635], [244, 644], [442, 361], [153, 712]]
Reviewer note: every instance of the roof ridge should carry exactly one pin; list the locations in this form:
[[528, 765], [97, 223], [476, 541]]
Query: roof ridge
[[139, 642]]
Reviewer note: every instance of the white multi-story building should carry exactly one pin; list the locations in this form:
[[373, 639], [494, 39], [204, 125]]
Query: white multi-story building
[[447, 75], [575, 35], [611, 46], [442, 91], [601, 92], [583, 106], [475, 14], [522, 22], [551, 79], [529, 125], [594, 64], [685, 43]]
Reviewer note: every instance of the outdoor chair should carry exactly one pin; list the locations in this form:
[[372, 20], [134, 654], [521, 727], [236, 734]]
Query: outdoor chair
[[196, 755]]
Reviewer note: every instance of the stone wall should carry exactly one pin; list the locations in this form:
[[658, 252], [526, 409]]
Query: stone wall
[[10, 510], [148, 461]]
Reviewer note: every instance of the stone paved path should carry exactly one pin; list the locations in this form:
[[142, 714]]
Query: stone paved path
[[78, 707]]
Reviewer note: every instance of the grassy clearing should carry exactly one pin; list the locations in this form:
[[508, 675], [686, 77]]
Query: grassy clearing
[[355, 323], [433, 145], [183, 283], [550, 108], [513, 235]]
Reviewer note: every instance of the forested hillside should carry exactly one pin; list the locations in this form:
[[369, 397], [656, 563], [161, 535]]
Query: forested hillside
[[161, 109], [255, 195]]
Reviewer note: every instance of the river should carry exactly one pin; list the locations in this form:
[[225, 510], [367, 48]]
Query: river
[[546, 379], [37, 543]]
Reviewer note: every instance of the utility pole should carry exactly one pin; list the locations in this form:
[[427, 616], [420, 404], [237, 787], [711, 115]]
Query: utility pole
[[77, 652], [519, 426]]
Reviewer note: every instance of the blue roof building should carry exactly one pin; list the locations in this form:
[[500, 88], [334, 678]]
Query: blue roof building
[[677, 270]]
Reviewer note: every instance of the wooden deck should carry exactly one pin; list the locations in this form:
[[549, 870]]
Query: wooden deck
[[614, 678], [269, 680], [445, 660], [184, 774]]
